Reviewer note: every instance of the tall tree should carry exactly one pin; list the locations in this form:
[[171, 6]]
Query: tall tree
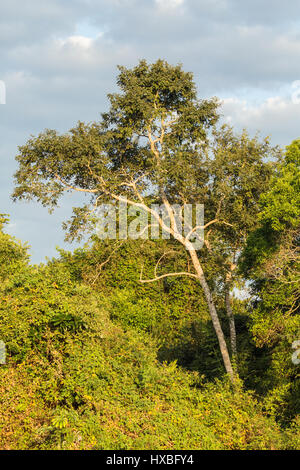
[[151, 148]]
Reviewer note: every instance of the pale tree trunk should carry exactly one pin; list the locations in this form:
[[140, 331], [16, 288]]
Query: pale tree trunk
[[230, 316], [213, 315], [231, 323]]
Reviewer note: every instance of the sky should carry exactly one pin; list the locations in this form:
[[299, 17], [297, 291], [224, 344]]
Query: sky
[[59, 61]]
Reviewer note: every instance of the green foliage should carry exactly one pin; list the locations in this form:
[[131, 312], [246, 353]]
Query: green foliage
[[23, 413], [271, 260], [114, 394], [13, 254], [280, 210], [66, 386], [281, 204], [173, 310], [39, 303]]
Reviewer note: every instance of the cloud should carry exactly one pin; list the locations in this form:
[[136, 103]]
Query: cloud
[[276, 117], [166, 4], [82, 42]]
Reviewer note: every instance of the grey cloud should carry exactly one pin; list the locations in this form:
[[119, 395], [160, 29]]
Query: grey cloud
[[35, 20], [276, 117]]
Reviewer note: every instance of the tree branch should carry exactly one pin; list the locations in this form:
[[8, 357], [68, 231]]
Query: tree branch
[[183, 273], [74, 188]]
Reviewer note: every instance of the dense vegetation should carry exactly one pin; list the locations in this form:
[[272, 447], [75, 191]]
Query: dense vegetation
[[97, 358]]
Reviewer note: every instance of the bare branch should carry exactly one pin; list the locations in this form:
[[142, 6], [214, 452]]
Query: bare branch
[[162, 256], [100, 266], [74, 188], [157, 278]]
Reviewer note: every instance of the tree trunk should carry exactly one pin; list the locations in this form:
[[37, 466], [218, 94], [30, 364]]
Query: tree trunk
[[213, 315], [231, 322]]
